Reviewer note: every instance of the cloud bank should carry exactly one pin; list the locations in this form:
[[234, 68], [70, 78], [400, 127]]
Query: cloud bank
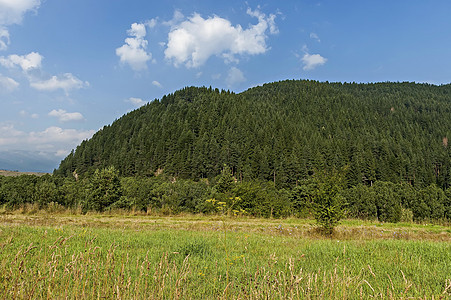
[[53, 139]]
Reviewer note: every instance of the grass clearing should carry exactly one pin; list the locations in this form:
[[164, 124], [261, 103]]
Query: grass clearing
[[17, 173], [120, 256]]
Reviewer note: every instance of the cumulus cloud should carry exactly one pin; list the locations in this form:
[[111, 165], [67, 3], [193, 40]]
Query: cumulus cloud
[[235, 76], [311, 61], [133, 52], [27, 62], [7, 84], [136, 101], [65, 82], [64, 116], [193, 41], [53, 139], [12, 12]]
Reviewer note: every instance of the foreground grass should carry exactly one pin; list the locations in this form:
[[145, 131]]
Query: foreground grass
[[200, 257]]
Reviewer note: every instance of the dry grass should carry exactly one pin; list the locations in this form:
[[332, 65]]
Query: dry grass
[[300, 228], [17, 173]]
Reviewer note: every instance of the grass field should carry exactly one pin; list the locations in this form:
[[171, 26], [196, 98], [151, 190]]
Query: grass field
[[201, 257], [17, 173]]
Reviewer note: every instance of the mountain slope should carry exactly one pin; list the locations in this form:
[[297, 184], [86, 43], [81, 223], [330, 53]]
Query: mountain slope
[[282, 131]]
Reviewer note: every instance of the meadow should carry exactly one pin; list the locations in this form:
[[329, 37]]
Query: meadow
[[126, 256]]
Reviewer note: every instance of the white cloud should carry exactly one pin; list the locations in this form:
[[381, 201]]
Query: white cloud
[[235, 76], [157, 84], [176, 18], [64, 116], [33, 61], [311, 61], [9, 135], [133, 52], [58, 134], [263, 20], [7, 84], [12, 12], [25, 114], [4, 39], [53, 139], [315, 37], [151, 23], [56, 138], [25, 62], [65, 82], [136, 101], [194, 41]]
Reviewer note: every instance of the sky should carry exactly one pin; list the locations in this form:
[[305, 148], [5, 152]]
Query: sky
[[69, 67]]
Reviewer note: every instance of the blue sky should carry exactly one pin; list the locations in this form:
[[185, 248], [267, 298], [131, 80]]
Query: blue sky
[[69, 67]]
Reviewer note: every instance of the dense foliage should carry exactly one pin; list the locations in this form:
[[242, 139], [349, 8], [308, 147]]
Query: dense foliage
[[323, 196], [282, 132]]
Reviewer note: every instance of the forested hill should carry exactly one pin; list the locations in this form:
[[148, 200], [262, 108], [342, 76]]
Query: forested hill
[[282, 131]]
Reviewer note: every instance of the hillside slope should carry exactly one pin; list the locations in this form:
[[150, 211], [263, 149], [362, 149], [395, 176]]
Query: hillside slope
[[282, 131]]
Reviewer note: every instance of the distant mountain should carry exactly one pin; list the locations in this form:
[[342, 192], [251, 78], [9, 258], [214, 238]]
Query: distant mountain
[[27, 161], [282, 132]]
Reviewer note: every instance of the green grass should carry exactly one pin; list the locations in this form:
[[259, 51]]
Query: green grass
[[191, 257]]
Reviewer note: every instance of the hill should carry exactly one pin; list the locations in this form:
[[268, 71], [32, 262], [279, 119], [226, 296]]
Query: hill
[[282, 132]]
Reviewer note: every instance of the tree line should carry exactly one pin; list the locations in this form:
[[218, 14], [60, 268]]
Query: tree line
[[106, 190]]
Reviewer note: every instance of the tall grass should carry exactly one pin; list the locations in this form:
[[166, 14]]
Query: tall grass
[[79, 262]]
